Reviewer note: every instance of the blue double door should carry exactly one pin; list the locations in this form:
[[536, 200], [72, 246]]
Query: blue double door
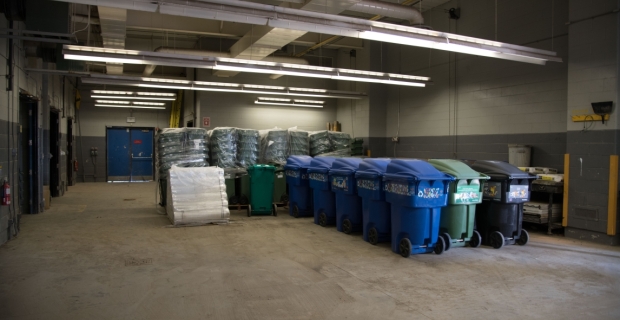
[[130, 154]]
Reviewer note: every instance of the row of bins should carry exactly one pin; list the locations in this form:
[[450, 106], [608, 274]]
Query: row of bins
[[418, 206]]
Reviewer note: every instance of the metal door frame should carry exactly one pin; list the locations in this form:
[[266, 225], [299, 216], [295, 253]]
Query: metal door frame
[[130, 147]]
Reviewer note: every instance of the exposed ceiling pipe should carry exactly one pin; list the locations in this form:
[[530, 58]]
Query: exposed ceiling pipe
[[391, 10], [148, 70], [113, 22]]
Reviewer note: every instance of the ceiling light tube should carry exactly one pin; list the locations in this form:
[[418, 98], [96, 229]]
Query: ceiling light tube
[[128, 107], [288, 104], [133, 98], [112, 102], [148, 103]]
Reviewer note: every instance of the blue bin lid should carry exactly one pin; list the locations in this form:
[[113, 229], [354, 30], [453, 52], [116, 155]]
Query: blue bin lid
[[499, 170], [297, 162], [345, 166], [372, 168], [413, 169], [321, 164]]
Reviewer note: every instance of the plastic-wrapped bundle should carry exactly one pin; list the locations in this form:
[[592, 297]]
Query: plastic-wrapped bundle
[[184, 147], [197, 196], [224, 147], [247, 147], [319, 142], [274, 146], [340, 141], [299, 142]]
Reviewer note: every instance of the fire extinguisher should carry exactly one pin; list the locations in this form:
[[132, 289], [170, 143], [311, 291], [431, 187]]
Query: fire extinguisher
[[75, 165], [6, 194]]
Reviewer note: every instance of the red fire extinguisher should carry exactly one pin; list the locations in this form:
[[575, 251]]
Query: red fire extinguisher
[[6, 197]]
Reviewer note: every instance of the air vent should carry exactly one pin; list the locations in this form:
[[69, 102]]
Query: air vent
[[586, 213]]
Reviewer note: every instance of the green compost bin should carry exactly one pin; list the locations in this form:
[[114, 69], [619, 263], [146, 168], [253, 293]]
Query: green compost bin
[[229, 181], [261, 190], [457, 220], [279, 186]]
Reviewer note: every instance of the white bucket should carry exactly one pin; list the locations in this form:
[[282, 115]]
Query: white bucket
[[519, 155]]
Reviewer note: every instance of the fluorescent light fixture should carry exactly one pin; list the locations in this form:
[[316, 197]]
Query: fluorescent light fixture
[[103, 79], [289, 102], [112, 102], [130, 95], [127, 107], [148, 103], [237, 65]]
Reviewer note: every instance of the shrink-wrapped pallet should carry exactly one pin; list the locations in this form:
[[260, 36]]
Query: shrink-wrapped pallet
[[274, 146], [224, 147], [197, 196], [248, 146], [299, 142]]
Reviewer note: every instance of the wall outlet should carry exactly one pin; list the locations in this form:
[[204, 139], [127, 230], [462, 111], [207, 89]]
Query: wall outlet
[[395, 139]]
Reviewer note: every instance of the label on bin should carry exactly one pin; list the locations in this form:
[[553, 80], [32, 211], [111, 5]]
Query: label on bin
[[318, 177], [398, 188], [368, 184], [518, 193], [405, 190], [340, 183], [466, 194], [492, 190], [292, 173]]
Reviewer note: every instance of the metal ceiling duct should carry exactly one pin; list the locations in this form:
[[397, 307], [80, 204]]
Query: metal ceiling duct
[[113, 23], [148, 70]]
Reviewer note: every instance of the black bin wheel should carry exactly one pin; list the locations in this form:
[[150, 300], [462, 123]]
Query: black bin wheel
[[295, 211], [405, 248], [440, 246], [347, 226], [274, 210], [475, 240], [249, 210], [496, 239], [373, 236], [447, 239], [234, 200], [524, 238], [243, 200], [284, 198], [322, 219]]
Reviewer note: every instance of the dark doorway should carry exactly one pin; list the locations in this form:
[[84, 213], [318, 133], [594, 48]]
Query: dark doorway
[[31, 184], [54, 153], [70, 178]]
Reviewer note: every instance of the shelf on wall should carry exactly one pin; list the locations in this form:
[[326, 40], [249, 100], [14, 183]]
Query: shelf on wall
[[589, 117]]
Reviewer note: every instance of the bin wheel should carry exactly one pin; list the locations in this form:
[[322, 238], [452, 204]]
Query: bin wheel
[[405, 248], [284, 198], [373, 236], [275, 210], [243, 200], [323, 219], [347, 227], [249, 210], [440, 246], [524, 238], [295, 211], [447, 239], [496, 239], [475, 240], [234, 200]]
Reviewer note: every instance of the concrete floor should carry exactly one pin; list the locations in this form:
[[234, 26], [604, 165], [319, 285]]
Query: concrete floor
[[81, 260]]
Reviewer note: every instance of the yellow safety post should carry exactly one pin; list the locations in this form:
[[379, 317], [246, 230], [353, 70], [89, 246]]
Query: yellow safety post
[[612, 202]]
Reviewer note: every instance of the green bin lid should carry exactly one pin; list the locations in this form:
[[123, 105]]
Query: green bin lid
[[457, 169]]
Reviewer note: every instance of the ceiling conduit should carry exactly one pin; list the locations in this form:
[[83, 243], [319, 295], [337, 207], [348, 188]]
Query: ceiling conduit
[[391, 10], [148, 70]]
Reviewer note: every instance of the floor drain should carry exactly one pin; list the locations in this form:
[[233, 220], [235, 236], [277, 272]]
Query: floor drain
[[138, 262]]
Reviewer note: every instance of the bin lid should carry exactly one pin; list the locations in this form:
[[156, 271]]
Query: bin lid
[[372, 168], [298, 162], [457, 169], [345, 166], [261, 167], [321, 164], [499, 170], [413, 169]]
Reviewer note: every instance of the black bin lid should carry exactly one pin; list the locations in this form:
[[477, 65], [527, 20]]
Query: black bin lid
[[499, 170]]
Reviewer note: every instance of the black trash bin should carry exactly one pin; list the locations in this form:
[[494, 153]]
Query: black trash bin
[[500, 215]]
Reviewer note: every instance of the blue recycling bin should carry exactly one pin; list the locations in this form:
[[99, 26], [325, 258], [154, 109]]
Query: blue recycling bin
[[500, 215], [300, 194], [417, 192], [348, 204], [323, 199], [375, 210]]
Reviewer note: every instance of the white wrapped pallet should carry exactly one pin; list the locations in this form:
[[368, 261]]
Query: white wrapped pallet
[[197, 195]]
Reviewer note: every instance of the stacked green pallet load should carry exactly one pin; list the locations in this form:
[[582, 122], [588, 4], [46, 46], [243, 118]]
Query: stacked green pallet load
[[248, 145], [340, 144], [224, 147], [299, 142], [319, 142], [357, 148], [274, 146], [184, 147]]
